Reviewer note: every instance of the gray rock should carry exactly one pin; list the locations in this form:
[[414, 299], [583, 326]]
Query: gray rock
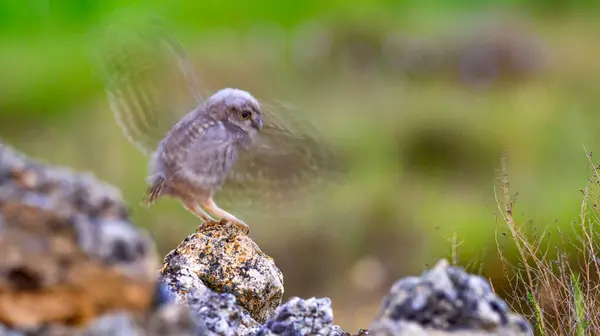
[[5, 331], [168, 320], [72, 263], [69, 250], [446, 300], [225, 260], [302, 317], [174, 319], [218, 311], [221, 314], [117, 324]]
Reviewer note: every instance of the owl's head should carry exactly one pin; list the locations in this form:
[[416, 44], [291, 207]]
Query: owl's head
[[236, 108]]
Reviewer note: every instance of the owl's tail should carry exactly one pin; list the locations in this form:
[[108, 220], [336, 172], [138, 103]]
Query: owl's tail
[[154, 191]]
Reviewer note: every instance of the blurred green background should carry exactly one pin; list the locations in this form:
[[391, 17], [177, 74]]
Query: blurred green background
[[421, 97]]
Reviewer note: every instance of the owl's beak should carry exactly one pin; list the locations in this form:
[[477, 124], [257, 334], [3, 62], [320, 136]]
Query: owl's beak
[[257, 123]]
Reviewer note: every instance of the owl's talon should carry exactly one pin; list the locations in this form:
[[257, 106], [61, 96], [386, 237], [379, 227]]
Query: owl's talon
[[206, 224], [226, 217], [245, 228]]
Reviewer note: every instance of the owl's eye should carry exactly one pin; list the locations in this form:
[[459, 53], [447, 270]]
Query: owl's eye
[[245, 115]]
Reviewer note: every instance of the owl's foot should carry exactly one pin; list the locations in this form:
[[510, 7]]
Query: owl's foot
[[207, 224], [210, 206], [237, 223], [244, 228]]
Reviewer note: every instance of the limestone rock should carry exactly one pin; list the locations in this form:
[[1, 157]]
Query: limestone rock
[[71, 263], [68, 251], [302, 317], [218, 311], [225, 260], [168, 320], [446, 301]]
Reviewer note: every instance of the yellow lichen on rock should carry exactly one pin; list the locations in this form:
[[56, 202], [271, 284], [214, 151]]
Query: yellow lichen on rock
[[227, 261]]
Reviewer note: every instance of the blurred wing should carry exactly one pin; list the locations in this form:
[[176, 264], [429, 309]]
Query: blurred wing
[[288, 158], [149, 80]]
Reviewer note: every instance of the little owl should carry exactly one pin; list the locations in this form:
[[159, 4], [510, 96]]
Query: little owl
[[222, 143]]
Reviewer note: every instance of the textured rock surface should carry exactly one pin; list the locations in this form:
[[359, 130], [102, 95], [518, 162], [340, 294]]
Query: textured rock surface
[[227, 261], [302, 317], [68, 252], [218, 311], [168, 320], [71, 261], [446, 301]]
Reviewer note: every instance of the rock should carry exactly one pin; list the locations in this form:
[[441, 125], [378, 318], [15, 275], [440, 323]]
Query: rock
[[69, 253], [72, 264], [168, 320], [446, 301], [5, 331], [225, 260], [218, 311], [302, 317]]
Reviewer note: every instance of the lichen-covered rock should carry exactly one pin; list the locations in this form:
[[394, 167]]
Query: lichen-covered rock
[[446, 301], [226, 260], [302, 317], [220, 313], [68, 251], [217, 311]]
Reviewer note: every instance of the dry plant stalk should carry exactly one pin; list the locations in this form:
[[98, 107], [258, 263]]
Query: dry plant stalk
[[561, 302]]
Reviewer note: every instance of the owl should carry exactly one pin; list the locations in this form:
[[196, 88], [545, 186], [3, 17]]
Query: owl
[[225, 143]]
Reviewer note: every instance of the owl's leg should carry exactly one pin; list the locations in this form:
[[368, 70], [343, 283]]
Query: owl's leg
[[198, 211], [210, 206]]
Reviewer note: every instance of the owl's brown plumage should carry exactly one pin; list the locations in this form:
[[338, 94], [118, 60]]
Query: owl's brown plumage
[[221, 143]]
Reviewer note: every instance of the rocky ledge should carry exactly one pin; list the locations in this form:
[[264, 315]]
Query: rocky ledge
[[73, 264]]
